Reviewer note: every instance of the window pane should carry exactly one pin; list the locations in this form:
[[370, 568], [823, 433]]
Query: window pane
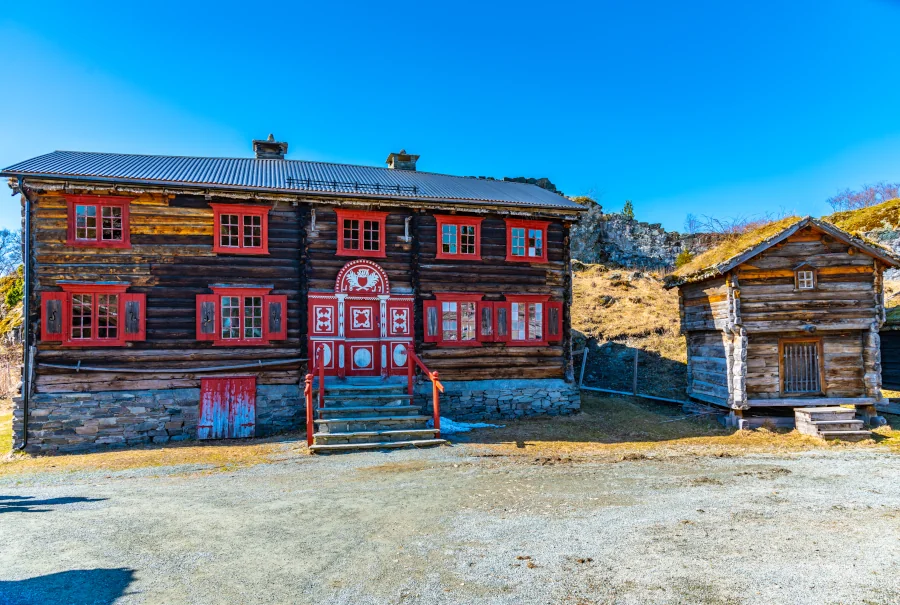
[[805, 280], [518, 321], [448, 239], [518, 241], [231, 317], [253, 316], [487, 327], [502, 322], [467, 239], [448, 320], [81, 316], [252, 231], [535, 321], [535, 242], [229, 230], [351, 234], [112, 223], [371, 236], [85, 222], [108, 316], [467, 319]]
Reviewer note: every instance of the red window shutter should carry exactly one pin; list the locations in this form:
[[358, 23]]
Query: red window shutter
[[276, 317], [207, 316], [502, 322], [431, 319], [54, 316], [485, 321], [553, 323], [133, 316]]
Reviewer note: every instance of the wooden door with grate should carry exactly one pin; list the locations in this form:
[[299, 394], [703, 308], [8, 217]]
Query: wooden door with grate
[[801, 368]]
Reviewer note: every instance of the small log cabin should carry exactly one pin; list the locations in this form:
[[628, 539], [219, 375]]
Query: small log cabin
[[173, 298], [785, 316]]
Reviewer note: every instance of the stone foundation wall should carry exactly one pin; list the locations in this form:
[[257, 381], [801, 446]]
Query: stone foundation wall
[[499, 399], [69, 422]]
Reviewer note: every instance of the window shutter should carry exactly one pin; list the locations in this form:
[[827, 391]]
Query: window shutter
[[501, 321], [134, 316], [553, 325], [276, 317], [485, 321], [53, 315], [207, 313], [432, 320]]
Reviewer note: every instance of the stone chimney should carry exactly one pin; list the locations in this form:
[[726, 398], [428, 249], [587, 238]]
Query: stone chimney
[[270, 149], [402, 161]]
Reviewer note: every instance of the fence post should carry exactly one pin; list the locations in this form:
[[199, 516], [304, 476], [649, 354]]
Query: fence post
[[583, 366], [634, 382]]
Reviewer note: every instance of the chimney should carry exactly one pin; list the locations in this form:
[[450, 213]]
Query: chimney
[[402, 161], [270, 149]]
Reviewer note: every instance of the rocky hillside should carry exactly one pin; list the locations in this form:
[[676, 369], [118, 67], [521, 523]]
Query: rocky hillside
[[618, 240]]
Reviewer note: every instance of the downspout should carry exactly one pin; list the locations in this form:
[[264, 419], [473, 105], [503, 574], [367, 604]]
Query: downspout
[[26, 316]]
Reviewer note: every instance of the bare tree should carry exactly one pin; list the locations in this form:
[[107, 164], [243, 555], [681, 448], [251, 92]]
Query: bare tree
[[869, 195], [692, 224], [10, 251], [732, 225]]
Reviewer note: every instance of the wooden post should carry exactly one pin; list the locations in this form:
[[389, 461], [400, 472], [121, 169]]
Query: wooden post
[[634, 382], [436, 405]]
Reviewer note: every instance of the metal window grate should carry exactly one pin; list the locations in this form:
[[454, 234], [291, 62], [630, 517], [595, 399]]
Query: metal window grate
[[801, 367]]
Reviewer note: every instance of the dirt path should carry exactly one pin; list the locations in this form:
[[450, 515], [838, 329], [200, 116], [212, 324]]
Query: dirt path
[[450, 525]]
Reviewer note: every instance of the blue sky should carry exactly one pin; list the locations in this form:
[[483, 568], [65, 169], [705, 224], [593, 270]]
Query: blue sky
[[704, 107]]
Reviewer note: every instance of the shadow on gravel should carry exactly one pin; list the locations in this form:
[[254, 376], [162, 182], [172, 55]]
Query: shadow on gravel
[[27, 504], [75, 587]]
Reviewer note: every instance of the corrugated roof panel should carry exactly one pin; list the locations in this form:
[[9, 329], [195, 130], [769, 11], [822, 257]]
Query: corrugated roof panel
[[285, 175]]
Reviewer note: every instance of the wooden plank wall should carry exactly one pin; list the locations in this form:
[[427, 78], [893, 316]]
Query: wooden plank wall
[[845, 294], [843, 352], [171, 261], [705, 305], [707, 354], [494, 277]]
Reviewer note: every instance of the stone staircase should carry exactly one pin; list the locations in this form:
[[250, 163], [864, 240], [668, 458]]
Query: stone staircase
[[368, 414], [831, 423]]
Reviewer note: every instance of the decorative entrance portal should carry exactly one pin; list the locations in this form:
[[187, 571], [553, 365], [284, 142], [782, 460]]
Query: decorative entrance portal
[[361, 329]]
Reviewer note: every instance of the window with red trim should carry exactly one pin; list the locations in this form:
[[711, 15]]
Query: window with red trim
[[98, 221], [241, 316], [526, 241], [459, 237], [361, 233], [466, 320], [452, 320], [241, 229], [93, 315]]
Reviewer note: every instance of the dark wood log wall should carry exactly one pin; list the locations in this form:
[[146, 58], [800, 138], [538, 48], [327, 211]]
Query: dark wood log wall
[[171, 261], [890, 359], [708, 364], [494, 277]]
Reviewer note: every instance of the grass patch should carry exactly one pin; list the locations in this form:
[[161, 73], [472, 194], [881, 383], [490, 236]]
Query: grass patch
[[882, 216], [5, 432], [623, 428]]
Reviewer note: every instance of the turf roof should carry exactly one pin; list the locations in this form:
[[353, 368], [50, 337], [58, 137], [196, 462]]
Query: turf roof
[[883, 216]]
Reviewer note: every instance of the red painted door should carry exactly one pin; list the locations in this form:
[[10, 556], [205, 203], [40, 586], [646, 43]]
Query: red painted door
[[362, 318], [227, 407]]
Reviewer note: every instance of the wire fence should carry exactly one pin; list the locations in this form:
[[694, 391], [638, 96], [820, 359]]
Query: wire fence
[[618, 368], [10, 371]]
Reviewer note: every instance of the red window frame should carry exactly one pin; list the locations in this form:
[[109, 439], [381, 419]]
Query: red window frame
[[99, 203], [243, 212], [459, 222], [380, 218], [67, 304], [527, 225], [267, 334], [449, 298], [530, 301]]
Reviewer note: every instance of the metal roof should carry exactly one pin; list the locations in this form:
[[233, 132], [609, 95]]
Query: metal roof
[[284, 176]]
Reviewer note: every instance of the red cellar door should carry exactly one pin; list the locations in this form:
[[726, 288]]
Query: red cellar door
[[227, 408]]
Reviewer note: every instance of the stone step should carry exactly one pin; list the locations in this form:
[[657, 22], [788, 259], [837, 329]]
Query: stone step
[[371, 436], [368, 411], [349, 447], [378, 423], [329, 396], [846, 435], [390, 387]]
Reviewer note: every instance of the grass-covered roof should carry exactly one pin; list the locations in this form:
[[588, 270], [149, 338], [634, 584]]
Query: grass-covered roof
[[883, 216]]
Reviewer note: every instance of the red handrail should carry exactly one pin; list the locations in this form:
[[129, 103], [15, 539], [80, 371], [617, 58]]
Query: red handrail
[[321, 365], [412, 360], [307, 393]]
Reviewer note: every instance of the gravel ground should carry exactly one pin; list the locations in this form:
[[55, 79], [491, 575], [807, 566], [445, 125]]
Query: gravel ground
[[447, 526]]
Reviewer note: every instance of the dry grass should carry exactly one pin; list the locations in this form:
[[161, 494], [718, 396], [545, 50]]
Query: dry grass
[[883, 216], [611, 428], [5, 432], [731, 247], [213, 456]]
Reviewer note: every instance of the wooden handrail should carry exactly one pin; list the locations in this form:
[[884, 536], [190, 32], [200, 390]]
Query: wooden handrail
[[412, 360]]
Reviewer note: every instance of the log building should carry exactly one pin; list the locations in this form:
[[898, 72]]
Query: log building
[[173, 298], [785, 316]]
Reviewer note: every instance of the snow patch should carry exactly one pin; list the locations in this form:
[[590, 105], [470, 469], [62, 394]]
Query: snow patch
[[450, 427]]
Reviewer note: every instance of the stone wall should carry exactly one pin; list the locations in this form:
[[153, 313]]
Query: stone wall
[[499, 399], [615, 239], [69, 422]]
